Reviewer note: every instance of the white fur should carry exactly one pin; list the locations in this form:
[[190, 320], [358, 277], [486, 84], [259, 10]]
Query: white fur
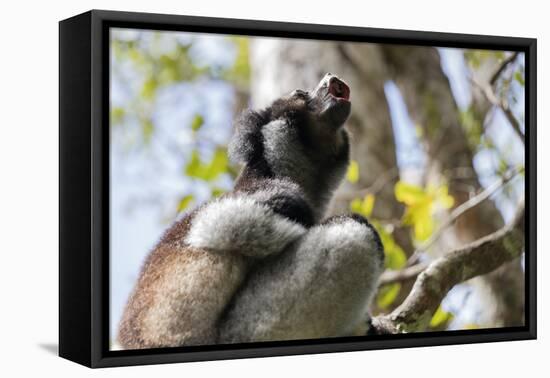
[[242, 225], [319, 287]]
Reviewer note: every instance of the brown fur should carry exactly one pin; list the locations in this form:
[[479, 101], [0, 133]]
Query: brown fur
[[170, 291]]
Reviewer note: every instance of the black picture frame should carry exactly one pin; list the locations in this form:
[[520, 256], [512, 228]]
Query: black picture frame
[[84, 187]]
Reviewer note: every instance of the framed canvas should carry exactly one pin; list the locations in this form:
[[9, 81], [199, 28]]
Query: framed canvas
[[235, 188]]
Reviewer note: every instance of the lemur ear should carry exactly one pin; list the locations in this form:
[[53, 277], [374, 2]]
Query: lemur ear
[[246, 145]]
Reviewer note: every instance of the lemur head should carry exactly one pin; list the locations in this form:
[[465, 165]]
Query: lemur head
[[299, 137]]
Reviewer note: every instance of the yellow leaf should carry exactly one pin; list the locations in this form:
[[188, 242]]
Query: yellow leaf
[[420, 206], [440, 317], [356, 205], [367, 205], [363, 207], [424, 223], [353, 172], [447, 201], [408, 193]]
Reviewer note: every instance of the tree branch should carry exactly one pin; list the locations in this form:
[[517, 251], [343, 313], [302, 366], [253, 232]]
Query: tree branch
[[405, 274], [502, 66], [490, 95], [459, 210], [433, 284]]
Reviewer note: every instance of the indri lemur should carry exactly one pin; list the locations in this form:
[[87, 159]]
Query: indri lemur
[[260, 263]]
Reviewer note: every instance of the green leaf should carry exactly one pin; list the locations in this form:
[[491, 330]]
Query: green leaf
[[476, 57], [135, 55], [194, 166], [197, 122], [440, 317], [387, 295], [395, 257], [218, 165], [149, 88], [239, 73], [353, 172], [519, 78], [185, 202], [170, 68], [197, 169], [147, 129], [216, 192], [472, 126], [117, 115]]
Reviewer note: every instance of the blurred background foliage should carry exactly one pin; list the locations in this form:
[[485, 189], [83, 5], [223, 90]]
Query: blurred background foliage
[[158, 62], [173, 100]]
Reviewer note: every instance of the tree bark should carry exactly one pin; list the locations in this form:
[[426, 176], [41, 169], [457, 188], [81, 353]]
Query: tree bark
[[431, 286], [427, 93]]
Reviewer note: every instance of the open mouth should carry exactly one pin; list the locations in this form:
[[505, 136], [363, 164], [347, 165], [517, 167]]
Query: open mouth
[[332, 100], [338, 89]]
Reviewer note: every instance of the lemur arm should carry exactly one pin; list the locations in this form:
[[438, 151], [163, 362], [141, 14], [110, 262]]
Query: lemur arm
[[292, 207], [246, 225]]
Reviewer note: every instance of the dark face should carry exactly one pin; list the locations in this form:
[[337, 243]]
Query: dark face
[[331, 101], [327, 106]]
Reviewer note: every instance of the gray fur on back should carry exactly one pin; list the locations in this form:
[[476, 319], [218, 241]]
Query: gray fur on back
[[319, 287]]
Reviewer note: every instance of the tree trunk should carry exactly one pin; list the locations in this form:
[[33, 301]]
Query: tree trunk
[[427, 93]]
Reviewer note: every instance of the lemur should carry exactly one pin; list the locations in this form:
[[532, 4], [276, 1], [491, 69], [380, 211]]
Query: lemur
[[259, 263]]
